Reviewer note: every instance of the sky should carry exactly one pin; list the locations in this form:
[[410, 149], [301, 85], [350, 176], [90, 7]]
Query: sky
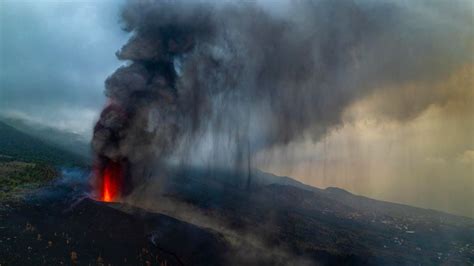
[[427, 160], [55, 56], [393, 144]]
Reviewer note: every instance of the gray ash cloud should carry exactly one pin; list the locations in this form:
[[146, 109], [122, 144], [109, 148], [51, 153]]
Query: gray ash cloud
[[226, 80]]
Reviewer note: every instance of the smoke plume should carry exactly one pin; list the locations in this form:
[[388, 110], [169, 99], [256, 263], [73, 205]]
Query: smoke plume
[[222, 81]]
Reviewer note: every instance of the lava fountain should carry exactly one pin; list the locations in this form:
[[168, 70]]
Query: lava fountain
[[112, 182], [109, 180], [110, 165]]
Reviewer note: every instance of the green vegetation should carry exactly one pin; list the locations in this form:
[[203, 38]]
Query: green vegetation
[[27, 163], [17, 178]]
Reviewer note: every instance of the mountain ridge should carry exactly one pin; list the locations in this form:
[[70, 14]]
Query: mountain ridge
[[68, 141], [20, 145]]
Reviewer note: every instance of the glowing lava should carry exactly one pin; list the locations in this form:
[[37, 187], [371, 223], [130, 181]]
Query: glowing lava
[[111, 182]]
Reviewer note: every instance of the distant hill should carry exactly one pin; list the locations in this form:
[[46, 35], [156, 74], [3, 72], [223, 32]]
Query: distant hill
[[72, 142], [24, 147]]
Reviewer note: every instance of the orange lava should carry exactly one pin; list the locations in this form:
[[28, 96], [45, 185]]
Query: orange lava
[[111, 182]]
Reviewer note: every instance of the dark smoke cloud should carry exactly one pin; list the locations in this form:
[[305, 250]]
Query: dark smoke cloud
[[233, 78]]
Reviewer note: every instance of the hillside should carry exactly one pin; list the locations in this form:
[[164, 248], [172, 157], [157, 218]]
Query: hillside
[[24, 147], [327, 226], [200, 217], [68, 141], [196, 216]]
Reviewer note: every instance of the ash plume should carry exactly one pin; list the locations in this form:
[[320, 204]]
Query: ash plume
[[225, 80]]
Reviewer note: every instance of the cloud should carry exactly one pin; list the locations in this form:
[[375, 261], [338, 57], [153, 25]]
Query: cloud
[[467, 157], [424, 159], [55, 57], [266, 77]]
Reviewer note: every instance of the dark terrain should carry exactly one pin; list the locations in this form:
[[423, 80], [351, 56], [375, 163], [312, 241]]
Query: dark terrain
[[204, 217]]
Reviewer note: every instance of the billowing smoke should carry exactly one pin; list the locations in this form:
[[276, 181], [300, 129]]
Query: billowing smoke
[[220, 81]]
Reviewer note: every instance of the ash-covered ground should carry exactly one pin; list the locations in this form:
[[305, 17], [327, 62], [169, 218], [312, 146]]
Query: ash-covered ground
[[202, 217]]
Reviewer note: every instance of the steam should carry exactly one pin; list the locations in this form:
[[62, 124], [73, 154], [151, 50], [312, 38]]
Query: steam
[[219, 82]]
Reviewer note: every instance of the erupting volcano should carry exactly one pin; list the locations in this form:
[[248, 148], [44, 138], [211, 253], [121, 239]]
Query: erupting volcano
[[226, 86], [111, 182], [213, 107]]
